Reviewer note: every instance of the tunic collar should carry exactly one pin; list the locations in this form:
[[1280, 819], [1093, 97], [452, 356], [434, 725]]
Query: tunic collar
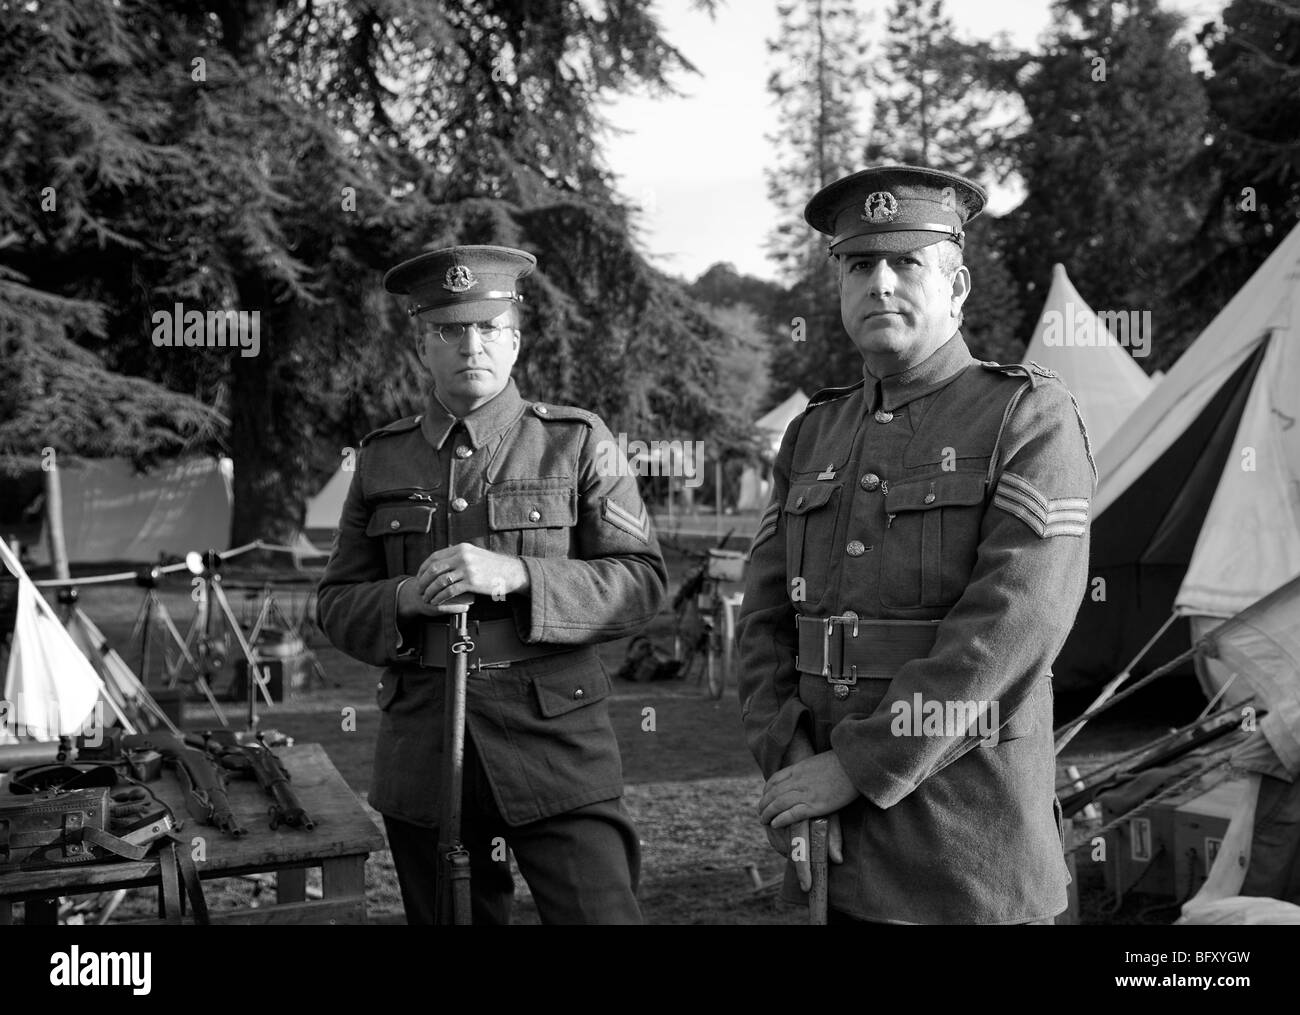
[[480, 424], [940, 368]]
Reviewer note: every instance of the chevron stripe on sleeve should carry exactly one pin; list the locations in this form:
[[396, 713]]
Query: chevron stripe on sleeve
[[766, 525], [1063, 516], [637, 525]]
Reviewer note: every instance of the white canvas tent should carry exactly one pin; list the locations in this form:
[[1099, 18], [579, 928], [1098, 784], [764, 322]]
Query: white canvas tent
[[112, 513], [50, 688], [1197, 513], [1073, 341], [755, 488], [325, 509]]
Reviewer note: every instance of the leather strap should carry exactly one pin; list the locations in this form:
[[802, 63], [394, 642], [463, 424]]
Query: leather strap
[[169, 869], [861, 649], [496, 642], [176, 868], [110, 843]]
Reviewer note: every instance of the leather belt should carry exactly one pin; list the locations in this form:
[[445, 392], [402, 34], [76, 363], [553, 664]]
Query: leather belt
[[496, 645], [845, 648]]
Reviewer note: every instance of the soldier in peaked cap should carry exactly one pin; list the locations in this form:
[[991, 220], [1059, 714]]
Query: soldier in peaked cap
[[489, 494], [910, 583]]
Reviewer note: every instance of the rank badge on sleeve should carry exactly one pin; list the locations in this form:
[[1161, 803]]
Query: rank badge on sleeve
[[621, 518], [766, 525], [1062, 516]]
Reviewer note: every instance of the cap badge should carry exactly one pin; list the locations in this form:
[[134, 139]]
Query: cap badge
[[459, 279], [880, 207]]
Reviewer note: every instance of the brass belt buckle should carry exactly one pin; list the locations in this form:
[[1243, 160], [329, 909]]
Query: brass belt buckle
[[841, 685]]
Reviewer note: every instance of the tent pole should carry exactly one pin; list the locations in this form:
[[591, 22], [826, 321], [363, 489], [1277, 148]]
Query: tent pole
[[1111, 687], [54, 518]]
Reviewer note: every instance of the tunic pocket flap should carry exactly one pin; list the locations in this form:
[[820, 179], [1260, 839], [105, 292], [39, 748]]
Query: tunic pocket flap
[[803, 499], [524, 509], [400, 518], [951, 489], [564, 691]]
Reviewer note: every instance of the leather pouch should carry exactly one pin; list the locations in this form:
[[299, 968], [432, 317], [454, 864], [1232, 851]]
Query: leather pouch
[[51, 828]]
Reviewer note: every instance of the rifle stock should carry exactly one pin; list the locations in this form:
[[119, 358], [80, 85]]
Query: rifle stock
[[817, 894], [205, 788]]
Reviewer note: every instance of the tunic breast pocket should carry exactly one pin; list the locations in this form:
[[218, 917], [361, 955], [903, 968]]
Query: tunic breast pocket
[[532, 518], [931, 537], [406, 530], [811, 511]]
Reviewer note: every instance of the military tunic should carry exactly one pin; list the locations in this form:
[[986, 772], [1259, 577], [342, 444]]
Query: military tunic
[[954, 493], [520, 478]]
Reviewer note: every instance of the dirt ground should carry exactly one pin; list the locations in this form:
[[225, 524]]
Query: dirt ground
[[692, 785]]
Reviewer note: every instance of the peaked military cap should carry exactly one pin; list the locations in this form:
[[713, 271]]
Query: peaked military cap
[[468, 283], [893, 208]]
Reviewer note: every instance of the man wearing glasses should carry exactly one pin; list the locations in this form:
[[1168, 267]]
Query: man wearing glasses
[[488, 495]]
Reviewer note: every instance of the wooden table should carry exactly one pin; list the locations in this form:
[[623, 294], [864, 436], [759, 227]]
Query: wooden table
[[339, 844]]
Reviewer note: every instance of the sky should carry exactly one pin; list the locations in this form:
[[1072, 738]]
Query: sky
[[695, 163]]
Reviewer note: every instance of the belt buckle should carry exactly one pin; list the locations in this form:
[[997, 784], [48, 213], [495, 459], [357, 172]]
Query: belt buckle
[[841, 685]]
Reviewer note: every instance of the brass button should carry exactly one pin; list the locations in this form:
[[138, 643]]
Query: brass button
[[928, 498], [841, 692], [459, 504], [394, 524], [534, 515], [381, 685], [541, 410], [870, 481], [463, 452], [884, 417], [799, 502], [856, 548], [579, 694]]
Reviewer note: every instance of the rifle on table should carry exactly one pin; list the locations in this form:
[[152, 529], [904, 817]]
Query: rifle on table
[[204, 782], [260, 762]]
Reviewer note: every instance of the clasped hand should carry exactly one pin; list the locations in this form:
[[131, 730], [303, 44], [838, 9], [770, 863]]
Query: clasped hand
[[454, 575]]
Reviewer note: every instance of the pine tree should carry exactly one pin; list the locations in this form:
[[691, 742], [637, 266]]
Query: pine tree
[[278, 157], [1115, 114], [1252, 150], [936, 102], [819, 62], [941, 102], [59, 399]]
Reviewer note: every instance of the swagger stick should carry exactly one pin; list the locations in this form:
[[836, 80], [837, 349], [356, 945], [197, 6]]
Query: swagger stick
[[453, 897], [817, 894]]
